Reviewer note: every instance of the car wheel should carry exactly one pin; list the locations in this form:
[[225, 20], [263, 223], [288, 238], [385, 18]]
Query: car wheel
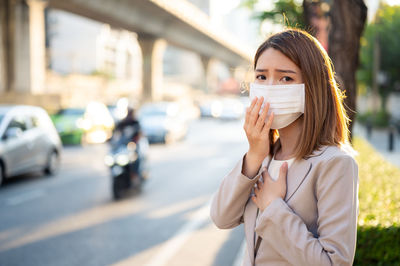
[[53, 164], [117, 189]]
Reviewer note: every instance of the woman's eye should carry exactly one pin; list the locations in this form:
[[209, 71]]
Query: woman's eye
[[287, 79], [261, 77]]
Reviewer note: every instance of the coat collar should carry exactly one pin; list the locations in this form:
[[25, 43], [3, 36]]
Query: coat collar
[[297, 172]]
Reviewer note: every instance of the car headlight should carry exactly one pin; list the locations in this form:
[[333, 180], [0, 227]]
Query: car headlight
[[216, 109], [109, 160], [122, 159], [84, 124]]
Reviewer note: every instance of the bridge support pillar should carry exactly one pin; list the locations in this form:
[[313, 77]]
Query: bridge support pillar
[[205, 61], [3, 53], [232, 71], [152, 67], [22, 56]]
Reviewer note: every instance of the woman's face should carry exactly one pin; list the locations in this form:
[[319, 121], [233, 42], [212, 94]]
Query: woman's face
[[274, 68]]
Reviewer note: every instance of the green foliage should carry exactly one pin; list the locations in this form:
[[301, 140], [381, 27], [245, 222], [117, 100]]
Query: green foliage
[[380, 119], [378, 246], [287, 12], [378, 239], [379, 188], [103, 74], [384, 30]]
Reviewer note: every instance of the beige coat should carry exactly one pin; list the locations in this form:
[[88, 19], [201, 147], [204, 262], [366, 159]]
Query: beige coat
[[316, 223]]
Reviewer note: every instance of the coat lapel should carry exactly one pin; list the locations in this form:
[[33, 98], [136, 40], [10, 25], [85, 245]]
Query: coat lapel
[[298, 172], [251, 213], [295, 176], [251, 217]]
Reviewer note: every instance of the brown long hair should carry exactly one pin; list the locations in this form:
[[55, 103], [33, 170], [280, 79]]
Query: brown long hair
[[325, 121]]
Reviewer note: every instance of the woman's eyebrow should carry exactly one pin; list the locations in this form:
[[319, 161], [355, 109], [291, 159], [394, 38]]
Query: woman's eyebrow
[[285, 71], [278, 70]]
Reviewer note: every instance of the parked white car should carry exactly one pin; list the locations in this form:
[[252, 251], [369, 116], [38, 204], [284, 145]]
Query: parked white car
[[225, 108], [28, 141], [163, 122]]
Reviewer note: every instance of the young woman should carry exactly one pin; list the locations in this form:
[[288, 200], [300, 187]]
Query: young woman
[[296, 189]]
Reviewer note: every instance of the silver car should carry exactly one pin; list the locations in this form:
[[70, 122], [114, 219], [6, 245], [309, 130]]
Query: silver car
[[163, 122], [28, 141]]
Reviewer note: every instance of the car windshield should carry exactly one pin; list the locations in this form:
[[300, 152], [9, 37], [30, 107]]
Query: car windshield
[[111, 108], [153, 111], [71, 111], [1, 118]]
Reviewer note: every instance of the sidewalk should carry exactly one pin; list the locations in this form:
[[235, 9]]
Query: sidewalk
[[380, 141]]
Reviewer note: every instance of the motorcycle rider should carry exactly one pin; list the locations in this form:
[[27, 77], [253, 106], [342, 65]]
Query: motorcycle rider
[[129, 121], [128, 130]]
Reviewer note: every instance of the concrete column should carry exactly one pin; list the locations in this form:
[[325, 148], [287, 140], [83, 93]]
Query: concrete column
[[6, 51], [23, 38], [152, 67], [205, 61], [19, 41], [232, 70], [3, 27], [37, 45]]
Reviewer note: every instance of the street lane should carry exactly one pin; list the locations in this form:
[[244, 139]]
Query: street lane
[[71, 219]]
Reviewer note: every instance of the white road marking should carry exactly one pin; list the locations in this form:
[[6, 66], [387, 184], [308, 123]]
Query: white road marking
[[27, 196], [173, 245]]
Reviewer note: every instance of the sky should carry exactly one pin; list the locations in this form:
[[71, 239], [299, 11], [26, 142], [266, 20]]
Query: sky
[[374, 4]]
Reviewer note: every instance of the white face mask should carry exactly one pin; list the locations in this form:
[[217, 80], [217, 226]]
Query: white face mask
[[286, 101]]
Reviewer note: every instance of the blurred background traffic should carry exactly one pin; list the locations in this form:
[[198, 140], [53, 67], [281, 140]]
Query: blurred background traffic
[[119, 119]]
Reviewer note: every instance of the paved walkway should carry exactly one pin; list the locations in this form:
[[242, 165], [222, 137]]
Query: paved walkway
[[379, 139]]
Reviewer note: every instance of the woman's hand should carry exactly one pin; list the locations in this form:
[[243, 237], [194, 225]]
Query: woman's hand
[[267, 191], [257, 132]]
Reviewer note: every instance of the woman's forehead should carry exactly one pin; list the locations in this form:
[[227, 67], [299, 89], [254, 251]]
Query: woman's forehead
[[274, 59]]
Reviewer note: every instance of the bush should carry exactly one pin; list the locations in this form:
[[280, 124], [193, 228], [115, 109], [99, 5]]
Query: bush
[[380, 119], [378, 246], [378, 239]]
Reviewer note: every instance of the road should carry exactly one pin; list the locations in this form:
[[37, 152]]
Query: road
[[71, 219]]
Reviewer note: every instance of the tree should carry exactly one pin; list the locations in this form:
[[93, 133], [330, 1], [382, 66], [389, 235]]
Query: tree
[[347, 19], [382, 38], [287, 11]]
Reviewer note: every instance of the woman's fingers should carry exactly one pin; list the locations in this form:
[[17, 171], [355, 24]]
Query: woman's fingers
[[248, 110], [254, 199], [261, 119], [255, 111], [267, 126]]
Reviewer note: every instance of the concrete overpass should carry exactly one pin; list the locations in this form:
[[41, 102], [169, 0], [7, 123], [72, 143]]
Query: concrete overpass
[[22, 47]]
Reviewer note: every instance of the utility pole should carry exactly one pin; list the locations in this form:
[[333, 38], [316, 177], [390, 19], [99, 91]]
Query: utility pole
[[375, 73]]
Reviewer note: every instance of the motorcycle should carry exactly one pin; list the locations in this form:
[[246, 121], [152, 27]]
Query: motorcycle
[[127, 161]]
